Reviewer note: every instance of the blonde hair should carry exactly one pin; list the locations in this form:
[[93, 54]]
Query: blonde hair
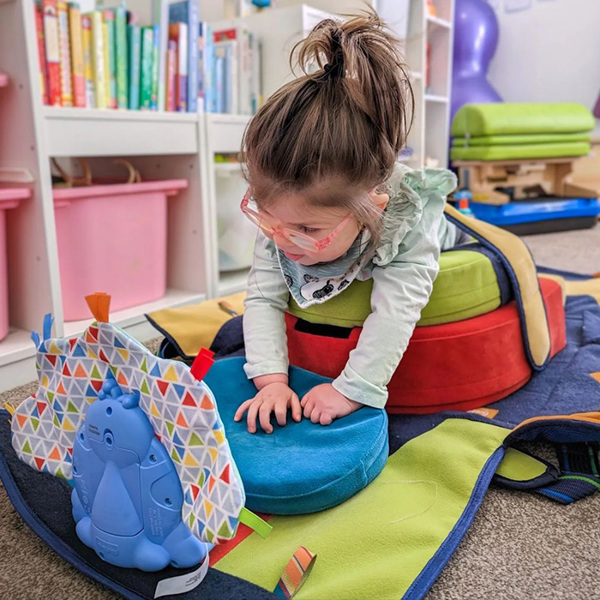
[[341, 125]]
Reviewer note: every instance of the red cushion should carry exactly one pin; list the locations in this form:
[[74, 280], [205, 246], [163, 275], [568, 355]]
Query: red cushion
[[455, 366]]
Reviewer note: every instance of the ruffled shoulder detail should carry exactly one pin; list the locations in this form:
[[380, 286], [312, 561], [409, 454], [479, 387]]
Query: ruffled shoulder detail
[[413, 194]]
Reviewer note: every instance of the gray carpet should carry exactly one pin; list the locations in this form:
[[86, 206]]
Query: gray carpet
[[519, 547]]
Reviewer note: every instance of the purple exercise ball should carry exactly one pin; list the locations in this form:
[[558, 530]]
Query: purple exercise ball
[[475, 41]]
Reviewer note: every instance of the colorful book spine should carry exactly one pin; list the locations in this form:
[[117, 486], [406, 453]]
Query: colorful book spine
[[171, 73], [52, 44], [39, 28], [226, 49], [160, 17], [155, 67], [88, 61], [98, 58], [209, 78], [220, 79], [187, 12], [178, 32], [201, 104], [66, 87], [134, 37], [77, 66], [146, 68], [121, 54], [256, 86], [110, 62]]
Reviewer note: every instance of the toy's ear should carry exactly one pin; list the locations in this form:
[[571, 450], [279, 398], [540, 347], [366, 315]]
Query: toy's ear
[[131, 400], [110, 388]]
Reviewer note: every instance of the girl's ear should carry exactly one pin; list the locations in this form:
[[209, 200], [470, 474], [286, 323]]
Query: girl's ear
[[380, 200]]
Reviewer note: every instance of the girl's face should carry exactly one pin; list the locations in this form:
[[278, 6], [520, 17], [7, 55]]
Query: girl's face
[[292, 211]]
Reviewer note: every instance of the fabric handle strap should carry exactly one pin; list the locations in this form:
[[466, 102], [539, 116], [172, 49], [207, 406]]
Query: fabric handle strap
[[255, 523], [517, 259]]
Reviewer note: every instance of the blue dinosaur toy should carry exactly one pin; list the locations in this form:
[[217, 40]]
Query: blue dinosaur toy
[[127, 498]]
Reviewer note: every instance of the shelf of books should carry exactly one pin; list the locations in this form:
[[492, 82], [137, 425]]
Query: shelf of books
[[174, 62]]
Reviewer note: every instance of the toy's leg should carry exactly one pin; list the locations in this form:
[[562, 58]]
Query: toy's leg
[[78, 510], [150, 557], [185, 549], [84, 531]]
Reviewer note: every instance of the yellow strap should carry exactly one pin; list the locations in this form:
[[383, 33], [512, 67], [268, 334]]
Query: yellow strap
[[515, 251]]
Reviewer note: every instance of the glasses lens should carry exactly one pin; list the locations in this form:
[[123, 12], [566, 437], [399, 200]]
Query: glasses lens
[[252, 212], [302, 241]]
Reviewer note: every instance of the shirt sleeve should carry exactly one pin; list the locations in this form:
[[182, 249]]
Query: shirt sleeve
[[401, 289], [264, 320]]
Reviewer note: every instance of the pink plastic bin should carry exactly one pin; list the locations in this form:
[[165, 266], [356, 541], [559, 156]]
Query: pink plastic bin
[[113, 238], [9, 198]]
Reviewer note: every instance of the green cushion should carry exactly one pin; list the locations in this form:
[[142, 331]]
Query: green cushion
[[508, 118], [466, 287], [527, 138], [517, 152]]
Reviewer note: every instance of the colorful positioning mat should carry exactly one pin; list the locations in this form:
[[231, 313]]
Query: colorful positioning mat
[[395, 536]]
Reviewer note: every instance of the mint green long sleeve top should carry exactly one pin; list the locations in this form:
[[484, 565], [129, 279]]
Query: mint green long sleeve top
[[403, 268]]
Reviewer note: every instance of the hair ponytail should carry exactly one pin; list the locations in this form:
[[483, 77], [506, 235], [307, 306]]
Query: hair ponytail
[[346, 117]]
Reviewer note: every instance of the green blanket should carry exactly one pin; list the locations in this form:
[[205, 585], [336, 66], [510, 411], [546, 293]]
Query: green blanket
[[376, 544], [506, 118]]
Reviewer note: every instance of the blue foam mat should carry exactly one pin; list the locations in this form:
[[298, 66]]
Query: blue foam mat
[[530, 211]]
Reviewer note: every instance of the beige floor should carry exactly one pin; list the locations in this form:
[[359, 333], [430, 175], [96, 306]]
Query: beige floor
[[520, 546]]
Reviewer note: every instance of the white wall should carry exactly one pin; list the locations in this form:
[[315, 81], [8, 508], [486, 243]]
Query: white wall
[[548, 53]]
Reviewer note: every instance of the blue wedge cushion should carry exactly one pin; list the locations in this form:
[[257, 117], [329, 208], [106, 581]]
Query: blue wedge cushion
[[302, 467]]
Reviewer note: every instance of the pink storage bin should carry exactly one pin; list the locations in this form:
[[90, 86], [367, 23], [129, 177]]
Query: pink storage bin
[[9, 198], [113, 239]]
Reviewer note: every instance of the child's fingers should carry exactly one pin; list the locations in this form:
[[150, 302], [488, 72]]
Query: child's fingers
[[280, 413], [239, 413], [326, 419], [264, 416], [305, 399], [315, 415], [308, 406], [252, 414], [296, 408]]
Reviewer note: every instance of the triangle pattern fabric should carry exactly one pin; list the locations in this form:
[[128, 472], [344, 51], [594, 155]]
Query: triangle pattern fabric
[[181, 410]]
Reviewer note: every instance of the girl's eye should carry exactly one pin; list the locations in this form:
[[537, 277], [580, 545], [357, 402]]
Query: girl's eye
[[304, 229]]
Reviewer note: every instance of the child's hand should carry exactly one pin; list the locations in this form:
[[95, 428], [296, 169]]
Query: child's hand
[[324, 403], [274, 397]]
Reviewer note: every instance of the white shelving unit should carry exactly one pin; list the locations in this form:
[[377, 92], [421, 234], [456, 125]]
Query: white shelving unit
[[160, 145], [431, 36]]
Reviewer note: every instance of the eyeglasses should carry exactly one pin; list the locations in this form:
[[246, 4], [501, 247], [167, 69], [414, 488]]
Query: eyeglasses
[[299, 239]]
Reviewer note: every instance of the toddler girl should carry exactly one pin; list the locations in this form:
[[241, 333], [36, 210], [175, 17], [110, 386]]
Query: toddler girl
[[333, 205]]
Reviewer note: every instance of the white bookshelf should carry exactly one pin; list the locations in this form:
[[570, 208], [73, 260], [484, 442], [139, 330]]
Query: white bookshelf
[[430, 134], [160, 145]]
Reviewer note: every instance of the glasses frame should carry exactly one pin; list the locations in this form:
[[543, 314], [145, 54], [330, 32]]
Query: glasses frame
[[294, 237]]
